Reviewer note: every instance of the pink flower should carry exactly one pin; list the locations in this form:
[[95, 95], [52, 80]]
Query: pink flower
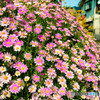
[[39, 26], [51, 45], [58, 36], [54, 89], [37, 30], [1, 55], [58, 66], [28, 28], [62, 91], [22, 11], [89, 78], [20, 18], [14, 88], [48, 91], [41, 37], [36, 78], [7, 43], [23, 68], [39, 69], [39, 60], [13, 27], [69, 74], [19, 42], [13, 37], [27, 56], [51, 71], [17, 65], [34, 43], [53, 27], [69, 94], [30, 15], [48, 83], [80, 76], [58, 16]]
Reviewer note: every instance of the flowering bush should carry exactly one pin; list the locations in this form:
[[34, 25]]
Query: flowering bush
[[45, 53]]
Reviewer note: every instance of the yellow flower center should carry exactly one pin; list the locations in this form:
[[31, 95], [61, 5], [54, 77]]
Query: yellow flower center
[[8, 42], [15, 88], [23, 68], [47, 91], [5, 93], [5, 77], [39, 60], [62, 91], [5, 22], [2, 32]]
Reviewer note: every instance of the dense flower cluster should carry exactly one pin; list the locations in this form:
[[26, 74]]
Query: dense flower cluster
[[45, 53]]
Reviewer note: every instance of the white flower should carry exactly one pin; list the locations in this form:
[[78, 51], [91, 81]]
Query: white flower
[[32, 88], [6, 78], [26, 78], [48, 83], [61, 80], [79, 71], [17, 73], [17, 48], [2, 69], [76, 86], [7, 57]]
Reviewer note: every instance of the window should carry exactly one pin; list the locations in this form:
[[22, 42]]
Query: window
[[97, 7], [88, 5]]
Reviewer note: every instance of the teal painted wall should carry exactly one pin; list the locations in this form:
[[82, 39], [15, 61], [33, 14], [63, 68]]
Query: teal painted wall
[[89, 13]]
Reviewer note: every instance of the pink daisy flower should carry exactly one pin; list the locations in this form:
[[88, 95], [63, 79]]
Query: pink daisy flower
[[80, 76], [70, 74], [42, 53], [54, 89], [48, 83], [22, 11], [62, 91], [27, 56], [37, 30], [48, 91], [4, 22], [42, 91], [51, 71], [39, 69], [19, 42], [58, 16], [39, 26], [58, 36], [39, 60], [51, 45], [30, 15], [89, 78], [41, 37], [28, 28], [1, 55], [76, 86], [20, 18], [13, 37], [17, 65], [34, 43], [58, 66], [7, 43], [36, 78], [32, 88], [14, 88], [53, 27], [13, 27], [23, 68]]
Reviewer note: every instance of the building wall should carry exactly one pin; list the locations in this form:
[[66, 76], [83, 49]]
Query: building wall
[[93, 18]]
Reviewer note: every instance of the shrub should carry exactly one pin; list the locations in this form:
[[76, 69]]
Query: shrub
[[45, 53]]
